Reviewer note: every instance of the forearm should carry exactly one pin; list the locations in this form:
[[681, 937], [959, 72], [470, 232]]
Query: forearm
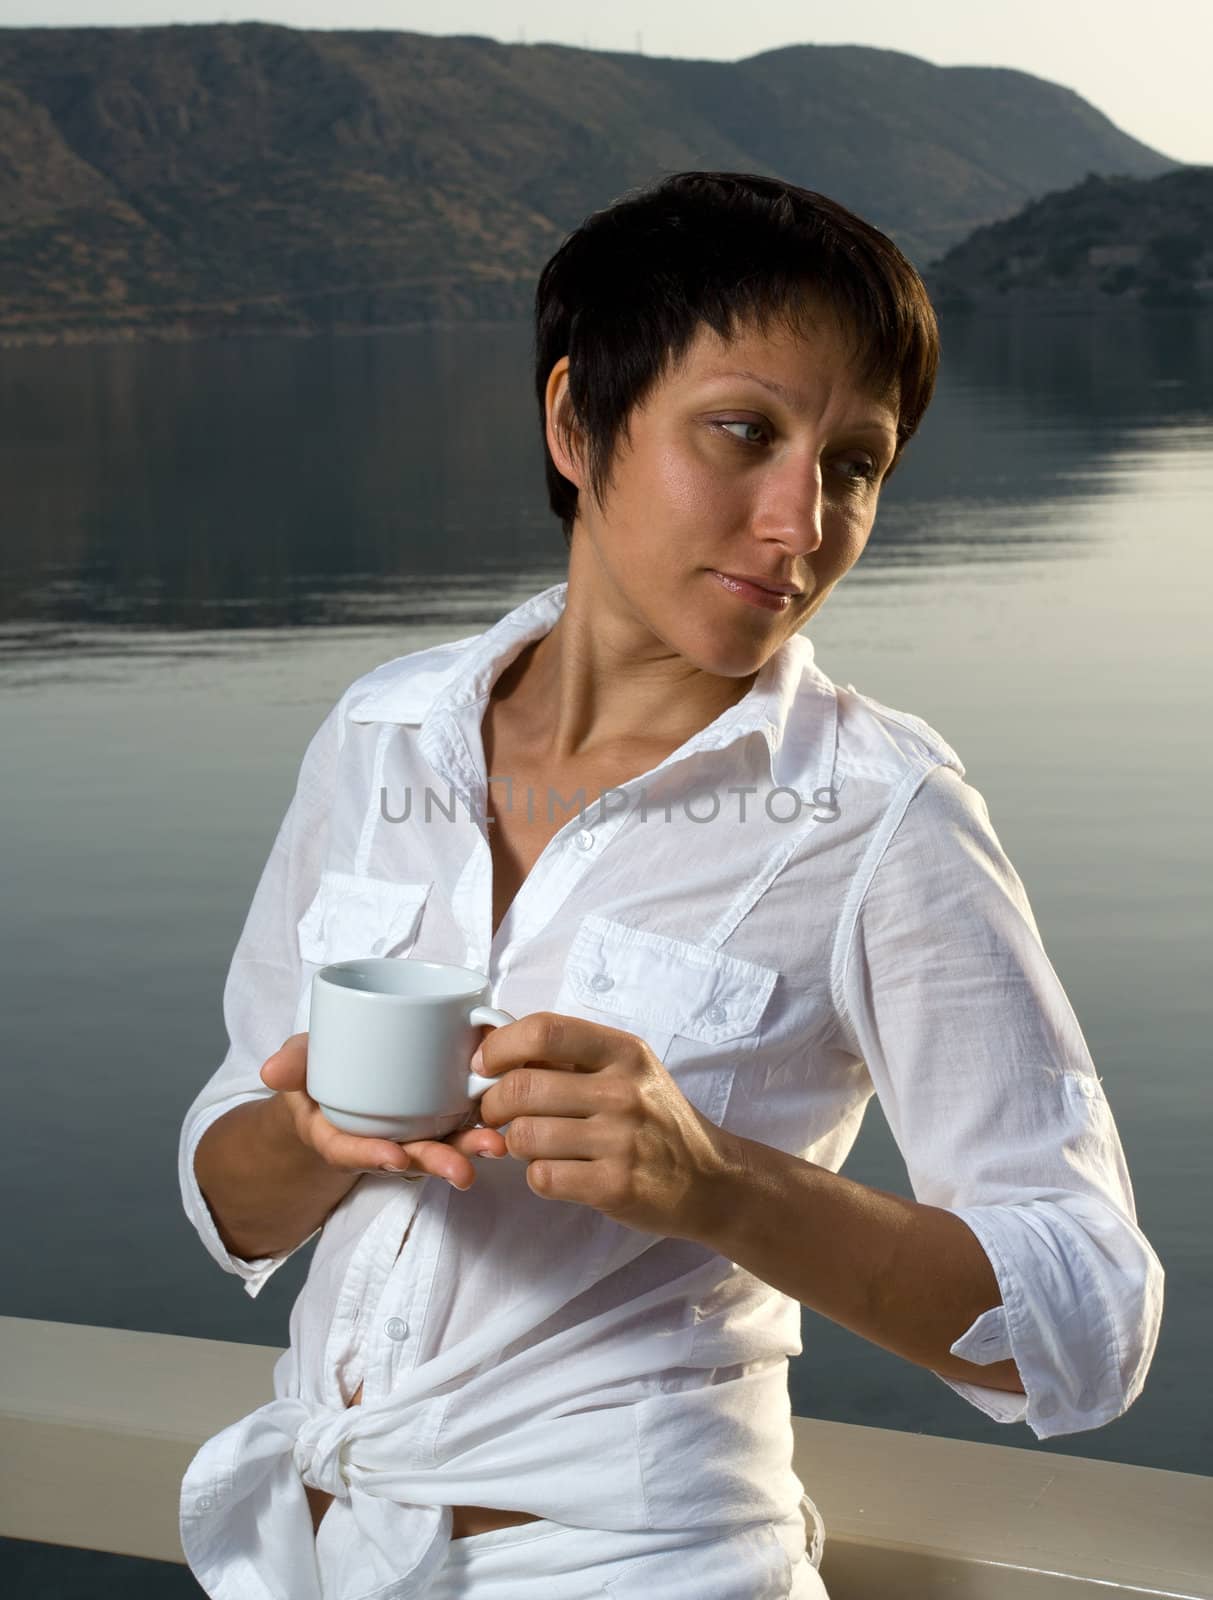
[[909, 1277], [266, 1190]]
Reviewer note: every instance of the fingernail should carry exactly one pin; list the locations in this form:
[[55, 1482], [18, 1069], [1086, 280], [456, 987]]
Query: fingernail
[[397, 1170], [477, 1061]]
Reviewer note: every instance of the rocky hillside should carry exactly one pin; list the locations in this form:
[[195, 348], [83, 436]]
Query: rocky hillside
[[185, 181], [1109, 240]]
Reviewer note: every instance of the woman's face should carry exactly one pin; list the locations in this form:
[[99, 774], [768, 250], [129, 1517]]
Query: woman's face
[[724, 478]]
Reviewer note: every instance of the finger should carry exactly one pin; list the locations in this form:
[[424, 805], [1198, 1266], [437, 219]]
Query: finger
[[478, 1142], [287, 1067], [556, 1138], [445, 1158], [286, 1072], [555, 1040], [584, 1183], [552, 1091], [353, 1152], [452, 1158], [441, 1160]]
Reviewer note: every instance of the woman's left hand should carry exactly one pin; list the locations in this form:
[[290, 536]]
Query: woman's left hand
[[600, 1122]]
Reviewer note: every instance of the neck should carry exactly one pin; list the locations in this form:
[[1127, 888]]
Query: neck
[[600, 682]]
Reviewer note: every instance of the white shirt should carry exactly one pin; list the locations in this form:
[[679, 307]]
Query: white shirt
[[860, 931]]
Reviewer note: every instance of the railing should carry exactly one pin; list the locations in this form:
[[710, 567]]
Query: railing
[[97, 1427]]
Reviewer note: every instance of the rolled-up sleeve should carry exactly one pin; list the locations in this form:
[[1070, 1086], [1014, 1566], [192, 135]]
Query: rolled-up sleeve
[[990, 1092], [261, 993]]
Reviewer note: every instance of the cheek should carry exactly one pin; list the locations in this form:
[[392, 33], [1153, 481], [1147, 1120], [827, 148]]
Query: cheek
[[686, 487], [847, 532]]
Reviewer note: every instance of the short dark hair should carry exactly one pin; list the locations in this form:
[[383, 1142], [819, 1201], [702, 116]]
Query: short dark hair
[[625, 294]]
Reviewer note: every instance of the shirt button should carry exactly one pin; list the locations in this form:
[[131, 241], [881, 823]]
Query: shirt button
[[1047, 1407], [601, 982], [204, 1502], [715, 1014], [585, 840], [379, 946], [395, 1328]]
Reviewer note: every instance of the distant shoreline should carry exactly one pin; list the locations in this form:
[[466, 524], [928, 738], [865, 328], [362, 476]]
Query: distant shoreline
[[192, 333], [986, 304], [1064, 302]]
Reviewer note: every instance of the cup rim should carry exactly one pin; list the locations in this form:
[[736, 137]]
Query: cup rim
[[360, 963]]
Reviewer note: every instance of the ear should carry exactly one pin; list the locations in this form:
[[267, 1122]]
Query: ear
[[563, 434]]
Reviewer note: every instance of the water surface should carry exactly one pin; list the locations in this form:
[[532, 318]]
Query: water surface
[[204, 544]]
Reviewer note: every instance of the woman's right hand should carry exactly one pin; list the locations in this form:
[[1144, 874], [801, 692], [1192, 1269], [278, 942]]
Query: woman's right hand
[[449, 1158]]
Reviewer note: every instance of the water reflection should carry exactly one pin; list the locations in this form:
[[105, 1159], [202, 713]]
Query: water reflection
[[1151, 367], [397, 479]]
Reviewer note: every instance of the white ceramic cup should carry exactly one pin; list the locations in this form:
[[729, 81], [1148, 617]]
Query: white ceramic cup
[[389, 1041]]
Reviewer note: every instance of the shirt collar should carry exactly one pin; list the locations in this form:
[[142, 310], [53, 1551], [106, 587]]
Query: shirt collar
[[431, 688]]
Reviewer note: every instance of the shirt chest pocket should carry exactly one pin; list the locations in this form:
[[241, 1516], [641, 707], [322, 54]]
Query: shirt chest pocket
[[353, 916], [695, 1007]]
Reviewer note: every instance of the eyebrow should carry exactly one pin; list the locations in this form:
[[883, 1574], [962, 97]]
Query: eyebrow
[[795, 401]]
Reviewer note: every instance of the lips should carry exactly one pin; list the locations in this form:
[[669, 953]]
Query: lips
[[769, 584], [755, 593]]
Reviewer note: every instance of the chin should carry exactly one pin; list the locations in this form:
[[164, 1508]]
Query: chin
[[712, 641], [712, 651]]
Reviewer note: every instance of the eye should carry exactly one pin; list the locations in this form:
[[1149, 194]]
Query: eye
[[739, 422], [869, 470]]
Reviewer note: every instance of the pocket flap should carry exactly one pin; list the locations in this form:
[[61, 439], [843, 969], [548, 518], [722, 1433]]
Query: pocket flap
[[667, 983], [352, 916]]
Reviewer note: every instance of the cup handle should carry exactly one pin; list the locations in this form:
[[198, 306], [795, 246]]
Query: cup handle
[[481, 1015]]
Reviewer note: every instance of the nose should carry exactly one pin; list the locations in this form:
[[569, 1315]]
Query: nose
[[791, 510]]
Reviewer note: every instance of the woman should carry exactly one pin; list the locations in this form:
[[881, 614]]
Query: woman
[[728, 901]]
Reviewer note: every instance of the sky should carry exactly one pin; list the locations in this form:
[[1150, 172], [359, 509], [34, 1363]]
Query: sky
[[1144, 65]]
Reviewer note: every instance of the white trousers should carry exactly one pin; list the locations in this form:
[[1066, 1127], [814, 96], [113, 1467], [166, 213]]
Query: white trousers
[[764, 1562]]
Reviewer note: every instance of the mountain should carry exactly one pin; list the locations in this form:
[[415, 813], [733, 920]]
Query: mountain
[[1115, 240], [192, 180]]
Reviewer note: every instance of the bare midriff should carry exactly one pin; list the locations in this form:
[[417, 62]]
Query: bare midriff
[[465, 1520]]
